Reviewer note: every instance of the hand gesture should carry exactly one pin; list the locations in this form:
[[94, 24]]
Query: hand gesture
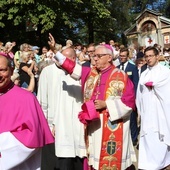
[[51, 41], [149, 85], [13, 43]]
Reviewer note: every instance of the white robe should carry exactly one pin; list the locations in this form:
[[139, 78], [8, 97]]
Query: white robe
[[154, 106], [61, 98], [128, 153], [16, 156]]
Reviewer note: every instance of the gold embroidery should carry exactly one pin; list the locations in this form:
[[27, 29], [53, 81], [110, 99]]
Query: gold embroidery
[[111, 149], [89, 88], [108, 167], [92, 81], [111, 152], [116, 87]]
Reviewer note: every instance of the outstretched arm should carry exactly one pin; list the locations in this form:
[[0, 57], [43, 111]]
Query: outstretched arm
[[58, 56], [70, 66]]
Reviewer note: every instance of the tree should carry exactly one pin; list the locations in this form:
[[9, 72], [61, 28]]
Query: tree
[[166, 8], [82, 21], [49, 15]]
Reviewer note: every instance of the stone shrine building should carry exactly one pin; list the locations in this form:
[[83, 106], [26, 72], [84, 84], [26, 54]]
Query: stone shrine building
[[150, 27]]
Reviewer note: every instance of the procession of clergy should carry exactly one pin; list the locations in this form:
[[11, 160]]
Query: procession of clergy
[[77, 107]]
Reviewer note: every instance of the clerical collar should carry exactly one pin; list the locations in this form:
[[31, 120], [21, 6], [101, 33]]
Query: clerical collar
[[6, 89], [106, 69]]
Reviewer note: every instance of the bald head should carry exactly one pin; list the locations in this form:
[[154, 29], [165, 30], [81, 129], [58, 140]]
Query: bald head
[[69, 53], [5, 72], [6, 60]]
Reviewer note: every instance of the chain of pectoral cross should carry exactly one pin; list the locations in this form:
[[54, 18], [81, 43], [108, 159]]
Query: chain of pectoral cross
[[97, 86]]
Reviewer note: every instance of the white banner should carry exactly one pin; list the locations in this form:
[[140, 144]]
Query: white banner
[[150, 40]]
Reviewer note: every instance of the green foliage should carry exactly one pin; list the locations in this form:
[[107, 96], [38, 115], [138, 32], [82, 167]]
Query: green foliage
[[166, 8], [80, 20], [2, 24], [17, 20], [21, 2], [2, 15]]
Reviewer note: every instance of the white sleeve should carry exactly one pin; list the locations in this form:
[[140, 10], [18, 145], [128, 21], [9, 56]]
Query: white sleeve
[[13, 152], [60, 57], [42, 95], [138, 98], [76, 74], [117, 109]]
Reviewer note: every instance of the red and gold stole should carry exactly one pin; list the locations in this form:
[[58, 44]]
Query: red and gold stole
[[90, 84], [112, 139], [111, 150], [89, 87]]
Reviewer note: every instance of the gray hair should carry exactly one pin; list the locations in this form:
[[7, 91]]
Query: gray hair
[[106, 50]]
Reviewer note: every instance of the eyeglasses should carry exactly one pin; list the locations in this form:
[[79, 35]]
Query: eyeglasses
[[149, 56], [123, 56], [92, 51], [99, 55]]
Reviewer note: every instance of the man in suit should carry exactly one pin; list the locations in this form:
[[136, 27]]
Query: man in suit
[[143, 68], [132, 73]]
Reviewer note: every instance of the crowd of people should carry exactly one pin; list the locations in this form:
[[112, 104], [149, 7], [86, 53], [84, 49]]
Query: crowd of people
[[78, 107]]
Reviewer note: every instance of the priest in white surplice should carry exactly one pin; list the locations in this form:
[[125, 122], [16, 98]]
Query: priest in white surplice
[[61, 98], [153, 103]]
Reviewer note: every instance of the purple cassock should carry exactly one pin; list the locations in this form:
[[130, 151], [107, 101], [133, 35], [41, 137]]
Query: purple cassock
[[21, 114]]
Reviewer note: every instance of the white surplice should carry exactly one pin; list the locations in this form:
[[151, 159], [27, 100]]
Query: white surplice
[[61, 98], [154, 107], [16, 156]]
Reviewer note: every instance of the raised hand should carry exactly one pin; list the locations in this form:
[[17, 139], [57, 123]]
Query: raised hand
[[51, 41]]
